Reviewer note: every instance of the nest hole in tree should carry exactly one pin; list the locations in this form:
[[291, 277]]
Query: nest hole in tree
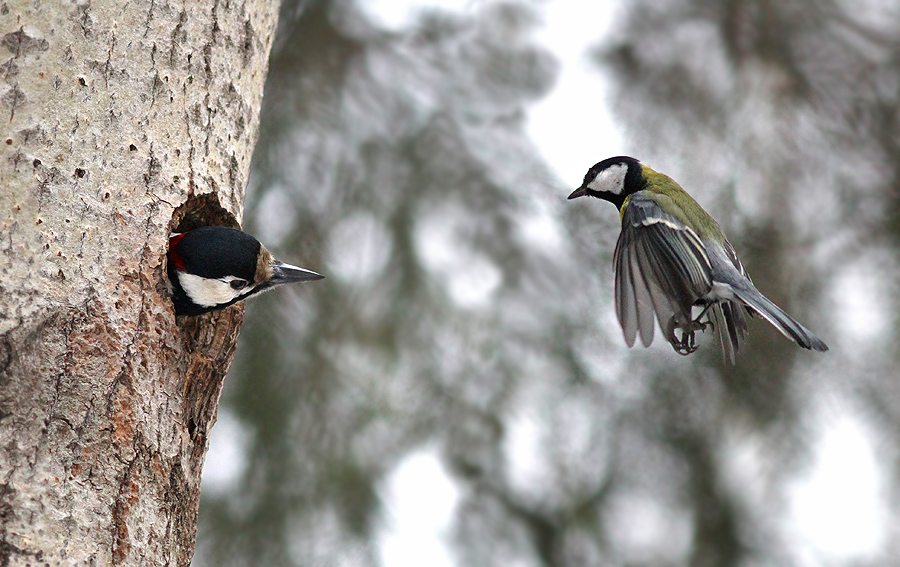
[[210, 339], [201, 210], [198, 211]]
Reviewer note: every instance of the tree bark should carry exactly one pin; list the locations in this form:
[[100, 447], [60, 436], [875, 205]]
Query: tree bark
[[124, 121]]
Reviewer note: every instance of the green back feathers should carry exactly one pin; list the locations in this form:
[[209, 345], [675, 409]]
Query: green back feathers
[[675, 201]]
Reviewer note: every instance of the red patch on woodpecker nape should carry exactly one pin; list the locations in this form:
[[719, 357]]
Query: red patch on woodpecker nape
[[173, 256]]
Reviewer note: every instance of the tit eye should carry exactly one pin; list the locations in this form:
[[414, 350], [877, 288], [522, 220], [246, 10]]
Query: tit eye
[[237, 284]]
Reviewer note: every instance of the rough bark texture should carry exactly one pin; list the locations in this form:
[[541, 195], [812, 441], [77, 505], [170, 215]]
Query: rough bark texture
[[123, 121]]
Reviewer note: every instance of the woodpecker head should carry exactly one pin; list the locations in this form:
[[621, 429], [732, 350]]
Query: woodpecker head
[[213, 267]]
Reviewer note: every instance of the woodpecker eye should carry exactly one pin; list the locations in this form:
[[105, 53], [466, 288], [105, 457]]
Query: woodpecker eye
[[237, 284]]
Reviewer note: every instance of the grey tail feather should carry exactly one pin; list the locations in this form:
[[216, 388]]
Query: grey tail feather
[[728, 319], [780, 320]]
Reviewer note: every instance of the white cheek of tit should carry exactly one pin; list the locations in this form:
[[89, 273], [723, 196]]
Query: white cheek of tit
[[208, 292], [610, 180]]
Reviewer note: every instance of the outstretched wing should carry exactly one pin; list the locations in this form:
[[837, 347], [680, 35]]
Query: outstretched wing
[[661, 267]]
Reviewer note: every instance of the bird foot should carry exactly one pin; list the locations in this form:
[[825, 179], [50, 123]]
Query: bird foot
[[687, 344]]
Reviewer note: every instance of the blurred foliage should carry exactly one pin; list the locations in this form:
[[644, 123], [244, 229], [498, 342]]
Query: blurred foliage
[[465, 300]]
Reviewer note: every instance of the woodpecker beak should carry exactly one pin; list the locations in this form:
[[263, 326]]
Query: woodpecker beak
[[285, 273], [580, 192]]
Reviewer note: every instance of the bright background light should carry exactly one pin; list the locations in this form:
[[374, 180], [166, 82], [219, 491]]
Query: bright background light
[[836, 509]]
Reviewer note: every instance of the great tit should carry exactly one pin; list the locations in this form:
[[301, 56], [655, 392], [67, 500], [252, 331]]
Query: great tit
[[672, 257]]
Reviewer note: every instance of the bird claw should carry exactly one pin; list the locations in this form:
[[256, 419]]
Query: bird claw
[[687, 344]]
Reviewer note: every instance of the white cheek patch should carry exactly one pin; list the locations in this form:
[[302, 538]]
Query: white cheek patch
[[610, 180], [208, 292]]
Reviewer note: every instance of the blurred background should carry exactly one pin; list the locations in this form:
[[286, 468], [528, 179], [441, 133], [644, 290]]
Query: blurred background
[[457, 392]]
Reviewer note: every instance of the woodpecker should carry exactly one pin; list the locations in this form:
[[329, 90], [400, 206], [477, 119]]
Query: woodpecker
[[213, 267]]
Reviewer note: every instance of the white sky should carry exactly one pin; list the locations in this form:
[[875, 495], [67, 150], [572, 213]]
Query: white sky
[[420, 499], [576, 111], [837, 510], [573, 126]]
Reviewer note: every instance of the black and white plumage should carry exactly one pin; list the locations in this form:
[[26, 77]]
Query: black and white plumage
[[213, 267]]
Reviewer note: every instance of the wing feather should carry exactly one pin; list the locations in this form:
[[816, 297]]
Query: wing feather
[[634, 304], [626, 300], [661, 268], [658, 298]]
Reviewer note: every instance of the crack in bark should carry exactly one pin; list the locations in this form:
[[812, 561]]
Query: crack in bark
[[67, 328], [108, 64], [210, 115], [20, 43], [153, 166], [5, 357], [13, 98], [83, 18], [179, 36], [124, 500], [190, 157], [149, 18]]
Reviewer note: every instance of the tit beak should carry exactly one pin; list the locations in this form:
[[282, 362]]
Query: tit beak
[[285, 273], [580, 192]]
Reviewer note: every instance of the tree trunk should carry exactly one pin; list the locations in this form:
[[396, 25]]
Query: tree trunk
[[124, 121]]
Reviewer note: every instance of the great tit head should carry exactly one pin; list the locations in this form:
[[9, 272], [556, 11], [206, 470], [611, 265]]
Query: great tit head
[[613, 179]]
